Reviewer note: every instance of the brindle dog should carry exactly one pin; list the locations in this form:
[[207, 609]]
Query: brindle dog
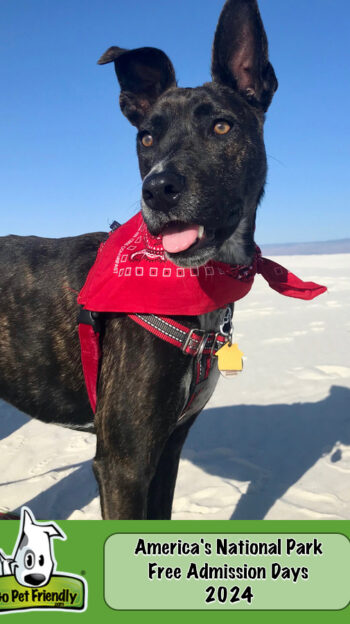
[[203, 163]]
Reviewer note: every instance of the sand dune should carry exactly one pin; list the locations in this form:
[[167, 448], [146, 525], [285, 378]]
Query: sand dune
[[272, 443]]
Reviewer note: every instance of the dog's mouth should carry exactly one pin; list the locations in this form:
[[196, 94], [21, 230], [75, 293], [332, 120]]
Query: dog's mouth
[[179, 237], [192, 244]]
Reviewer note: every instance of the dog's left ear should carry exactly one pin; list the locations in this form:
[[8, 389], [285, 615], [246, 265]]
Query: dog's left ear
[[143, 74], [240, 53]]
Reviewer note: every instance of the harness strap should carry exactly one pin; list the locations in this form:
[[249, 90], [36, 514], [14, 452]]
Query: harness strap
[[90, 359], [197, 343]]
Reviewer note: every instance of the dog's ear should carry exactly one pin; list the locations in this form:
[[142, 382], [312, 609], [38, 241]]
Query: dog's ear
[[143, 74], [240, 53]]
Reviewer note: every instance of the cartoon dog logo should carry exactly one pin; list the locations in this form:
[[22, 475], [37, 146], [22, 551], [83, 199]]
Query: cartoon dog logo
[[32, 562]]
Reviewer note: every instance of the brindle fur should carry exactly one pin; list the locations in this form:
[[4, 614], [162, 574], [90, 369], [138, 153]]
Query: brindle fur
[[216, 181]]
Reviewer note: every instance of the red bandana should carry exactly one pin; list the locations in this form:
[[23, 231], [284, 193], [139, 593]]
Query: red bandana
[[131, 274]]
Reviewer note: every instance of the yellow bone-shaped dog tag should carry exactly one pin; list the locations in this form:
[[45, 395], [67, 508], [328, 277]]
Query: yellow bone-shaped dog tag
[[230, 359]]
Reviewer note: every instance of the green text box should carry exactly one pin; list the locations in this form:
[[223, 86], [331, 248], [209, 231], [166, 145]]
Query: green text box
[[227, 571]]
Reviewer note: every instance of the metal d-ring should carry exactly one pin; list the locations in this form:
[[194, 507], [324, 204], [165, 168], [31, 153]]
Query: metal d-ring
[[202, 346]]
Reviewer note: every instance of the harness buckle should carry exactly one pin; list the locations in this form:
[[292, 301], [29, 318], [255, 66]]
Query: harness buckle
[[187, 341], [88, 317], [198, 350]]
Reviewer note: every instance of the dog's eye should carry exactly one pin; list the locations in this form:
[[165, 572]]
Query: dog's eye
[[147, 140], [29, 559], [222, 127], [41, 560]]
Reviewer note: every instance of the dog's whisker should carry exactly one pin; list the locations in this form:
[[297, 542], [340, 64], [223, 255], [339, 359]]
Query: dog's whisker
[[280, 162]]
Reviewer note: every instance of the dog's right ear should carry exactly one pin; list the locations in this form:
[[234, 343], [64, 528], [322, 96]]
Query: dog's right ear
[[143, 74]]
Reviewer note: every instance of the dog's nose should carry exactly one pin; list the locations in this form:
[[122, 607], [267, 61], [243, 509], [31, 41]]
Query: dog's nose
[[161, 191], [34, 579]]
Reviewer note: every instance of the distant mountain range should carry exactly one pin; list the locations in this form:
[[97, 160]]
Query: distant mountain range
[[307, 249]]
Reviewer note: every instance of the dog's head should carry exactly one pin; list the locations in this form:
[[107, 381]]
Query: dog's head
[[201, 151], [33, 560]]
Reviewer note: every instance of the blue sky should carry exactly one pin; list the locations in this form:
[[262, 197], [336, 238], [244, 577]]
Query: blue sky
[[68, 163]]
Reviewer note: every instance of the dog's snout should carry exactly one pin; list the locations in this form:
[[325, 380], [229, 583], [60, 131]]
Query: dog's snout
[[161, 191], [34, 579]]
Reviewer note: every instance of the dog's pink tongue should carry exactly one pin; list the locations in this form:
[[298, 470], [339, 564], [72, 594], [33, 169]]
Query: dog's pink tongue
[[179, 237]]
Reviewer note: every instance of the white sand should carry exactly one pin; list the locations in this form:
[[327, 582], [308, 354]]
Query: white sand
[[272, 443]]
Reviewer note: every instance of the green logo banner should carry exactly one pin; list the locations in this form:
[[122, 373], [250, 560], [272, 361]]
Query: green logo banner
[[63, 592], [120, 571]]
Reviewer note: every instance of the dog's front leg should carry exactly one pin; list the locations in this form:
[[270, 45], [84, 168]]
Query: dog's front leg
[[141, 394], [161, 491]]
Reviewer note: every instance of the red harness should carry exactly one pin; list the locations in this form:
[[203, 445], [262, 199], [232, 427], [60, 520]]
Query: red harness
[[201, 345], [132, 275]]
